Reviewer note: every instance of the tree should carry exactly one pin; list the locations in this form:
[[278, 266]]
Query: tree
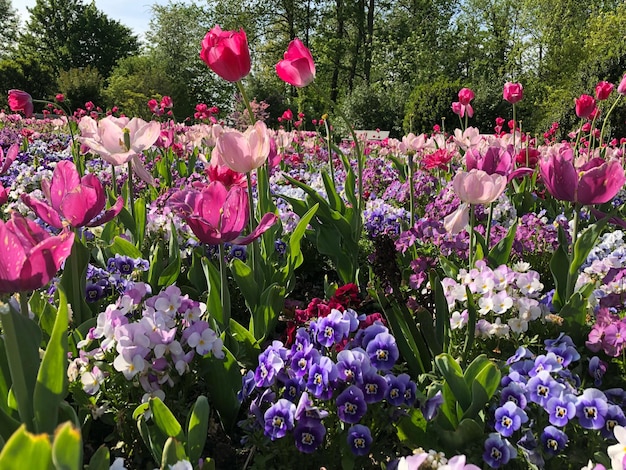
[[10, 28], [68, 34]]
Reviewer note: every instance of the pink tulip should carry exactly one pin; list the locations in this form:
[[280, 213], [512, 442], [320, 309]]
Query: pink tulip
[[226, 53], [478, 187], [297, 67], [595, 182], [30, 256], [493, 160], [21, 101], [465, 96], [460, 109], [244, 151], [218, 215], [603, 90], [621, 88], [513, 92], [585, 106], [7, 159], [78, 201]]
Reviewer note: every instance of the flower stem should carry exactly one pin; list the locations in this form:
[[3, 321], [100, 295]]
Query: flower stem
[[24, 308], [131, 190], [224, 295], [472, 240], [246, 101], [606, 118], [488, 232], [114, 180], [411, 190], [330, 151], [571, 276]]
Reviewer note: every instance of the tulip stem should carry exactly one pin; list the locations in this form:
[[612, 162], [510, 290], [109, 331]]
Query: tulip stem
[[224, 294], [24, 308], [606, 118], [246, 101], [411, 190], [131, 190], [472, 238], [571, 277], [330, 151], [514, 127], [114, 180]]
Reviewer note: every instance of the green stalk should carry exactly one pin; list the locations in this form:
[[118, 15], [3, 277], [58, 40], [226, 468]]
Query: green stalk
[[488, 232], [514, 126], [411, 189], [606, 118], [330, 151], [114, 180], [76, 293], [24, 308], [224, 294], [472, 240], [131, 190], [571, 277], [246, 101]]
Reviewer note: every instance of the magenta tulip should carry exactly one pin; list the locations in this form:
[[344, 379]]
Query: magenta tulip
[[30, 256], [21, 101], [217, 215], [465, 96], [585, 106], [492, 160], [595, 182], [603, 90], [621, 88], [6, 159], [513, 92], [297, 67], [226, 53], [78, 201]]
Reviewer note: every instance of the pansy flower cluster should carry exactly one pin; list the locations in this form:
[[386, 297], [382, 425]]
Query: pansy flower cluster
[[116, 278], [150, 341], [507, 300], [542, 400], [335, 378]]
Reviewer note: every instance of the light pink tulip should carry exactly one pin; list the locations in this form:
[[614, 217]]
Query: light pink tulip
[[30, 256], [244, 151], [478, 187]]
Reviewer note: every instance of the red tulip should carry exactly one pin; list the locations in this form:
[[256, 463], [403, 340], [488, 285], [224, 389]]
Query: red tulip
[[297, 67], [226, 53], [30, 256], [513, 92], [596, 182], [585, 106], [603, 90], [21, 101], [79, 201], [216, 214]]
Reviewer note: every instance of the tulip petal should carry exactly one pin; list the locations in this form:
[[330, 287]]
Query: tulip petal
[[600, 184], [64, 179], [45, 259], [79, 205], [266, 222], [141, 171], [456, 221], [46, 213], [12, 254], [107, 215]]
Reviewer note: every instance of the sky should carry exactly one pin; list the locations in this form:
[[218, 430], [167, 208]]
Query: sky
[[135, 14]]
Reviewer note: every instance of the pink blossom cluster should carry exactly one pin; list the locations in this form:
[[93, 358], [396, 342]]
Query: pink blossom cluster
[[507, 299], [150, 342], [608, 333]]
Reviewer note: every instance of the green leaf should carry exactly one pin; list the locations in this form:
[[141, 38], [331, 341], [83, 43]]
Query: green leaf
[[67, 448], [26, 451], [334, 200], [453, 376], [411, 429], [467, 432], [171, 272], [244, 277], [8, 425], [197, 428], [140, 221], [173, 452], [442, 313], [22, 338], [265, 316], [559, 266], [73, 281], [51, 386], [214, 300], [152, 437], [101, 460], [165, 419], [583, 246], [123, 247], [500, 253], [127, 219], [472, 315], [223, 387], [449, 268], [244, 346]]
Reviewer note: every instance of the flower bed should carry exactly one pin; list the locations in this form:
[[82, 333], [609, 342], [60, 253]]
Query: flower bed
[[200, 296]]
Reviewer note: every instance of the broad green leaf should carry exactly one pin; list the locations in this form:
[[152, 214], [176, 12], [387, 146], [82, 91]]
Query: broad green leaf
[[453, 376], [224, 383], [449, 268], [559, 266], [171, 272], [51, 386], [411, 429], [265, 316], [334, 200], [244, 277], [214, 300], [165, 419], [583, 246], [67, 448], [500, 253], [173, 452], [152, 438], [8, 425], [472, 316], [127, 219], [73, 281], [140, 221], [442, 313], [27, 451], [101, 460], [426, 325], [197, 428], [123, 247], [22, 338], [244, 346], [5, 381], [468, 431]]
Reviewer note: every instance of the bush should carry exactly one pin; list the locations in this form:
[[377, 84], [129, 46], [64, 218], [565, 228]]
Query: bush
[[80, 85], [429, 103]]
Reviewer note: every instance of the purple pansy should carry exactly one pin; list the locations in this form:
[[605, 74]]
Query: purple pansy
[[561, 409], [542, 387], [509, 418], [383, 351], [553, 440], [279, 418], [591, 409], [359, 439], [351, 405], [374, 387], [309, 434], [498, 451]]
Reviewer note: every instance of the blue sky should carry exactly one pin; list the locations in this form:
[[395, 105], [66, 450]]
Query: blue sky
[[135, 14]]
